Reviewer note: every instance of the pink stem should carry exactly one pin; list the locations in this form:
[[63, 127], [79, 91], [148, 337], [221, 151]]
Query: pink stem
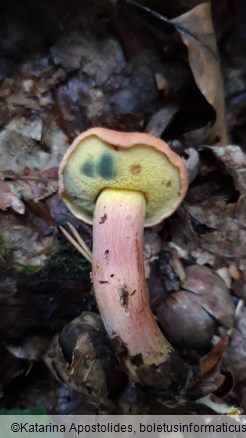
[[119, 282]]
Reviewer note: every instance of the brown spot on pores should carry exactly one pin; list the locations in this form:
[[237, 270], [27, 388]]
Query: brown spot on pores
[[167, 183], [135, 169]]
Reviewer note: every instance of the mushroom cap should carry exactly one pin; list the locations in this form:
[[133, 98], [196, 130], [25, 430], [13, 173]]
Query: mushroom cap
[[101, 158]]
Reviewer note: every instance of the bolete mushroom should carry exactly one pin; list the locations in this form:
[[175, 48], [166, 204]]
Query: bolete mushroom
[[121, 182]]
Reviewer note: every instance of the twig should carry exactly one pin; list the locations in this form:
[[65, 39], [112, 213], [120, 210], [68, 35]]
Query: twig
[[77, 242]]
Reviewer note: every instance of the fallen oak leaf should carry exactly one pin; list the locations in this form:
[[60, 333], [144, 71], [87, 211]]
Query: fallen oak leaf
[[197, 33]]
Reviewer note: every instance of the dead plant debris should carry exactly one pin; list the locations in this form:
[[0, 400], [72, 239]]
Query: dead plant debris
[[175, 70]]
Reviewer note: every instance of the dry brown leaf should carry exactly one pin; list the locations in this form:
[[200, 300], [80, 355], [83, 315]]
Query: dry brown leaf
[[83, 359], [223, 234], [21, 146], [203, 302], [234, 159], [185, 321], [31, 185], [210, 292], [209, 362], [31, 347], [197, 33], [29, 246], [237, 349], [160, 120], [9, 199]]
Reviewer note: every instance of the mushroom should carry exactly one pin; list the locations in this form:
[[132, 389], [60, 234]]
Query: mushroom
[[121, 182]]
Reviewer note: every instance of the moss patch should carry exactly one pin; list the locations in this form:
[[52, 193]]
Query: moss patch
[[6, 249]]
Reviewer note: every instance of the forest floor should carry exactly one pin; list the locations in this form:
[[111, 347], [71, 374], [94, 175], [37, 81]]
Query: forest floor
[[175, 70]]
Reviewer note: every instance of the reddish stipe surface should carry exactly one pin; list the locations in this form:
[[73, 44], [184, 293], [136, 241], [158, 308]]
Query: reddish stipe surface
[[119, 282]]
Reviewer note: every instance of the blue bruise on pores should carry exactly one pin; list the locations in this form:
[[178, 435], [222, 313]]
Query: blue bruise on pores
[[104, 167], [88, 168]]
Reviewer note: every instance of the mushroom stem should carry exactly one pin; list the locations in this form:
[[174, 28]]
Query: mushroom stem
[[119, 282]]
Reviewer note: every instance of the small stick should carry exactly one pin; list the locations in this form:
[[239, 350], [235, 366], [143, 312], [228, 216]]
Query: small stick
[[77, 245], [80, 240]]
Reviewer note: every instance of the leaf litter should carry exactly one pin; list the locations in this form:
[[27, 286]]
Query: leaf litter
[[166, 80]]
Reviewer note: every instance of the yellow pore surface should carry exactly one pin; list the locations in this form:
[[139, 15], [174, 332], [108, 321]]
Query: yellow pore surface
[[95, 165]]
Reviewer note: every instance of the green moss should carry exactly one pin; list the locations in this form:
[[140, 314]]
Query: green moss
[[67, 259], [29, 270], [6, 249], [36, 410]]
